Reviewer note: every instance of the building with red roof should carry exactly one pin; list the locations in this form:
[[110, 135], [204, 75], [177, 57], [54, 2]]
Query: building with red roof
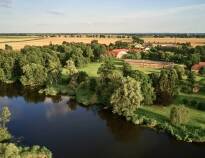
[[118, 53], [198, 66]]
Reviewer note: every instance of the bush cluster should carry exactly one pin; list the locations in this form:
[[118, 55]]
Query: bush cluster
[[179, 115]]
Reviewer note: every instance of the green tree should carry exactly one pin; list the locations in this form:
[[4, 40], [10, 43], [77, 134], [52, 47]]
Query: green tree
[[5, 116], [88, 53], [180, 71], [98, 51], [126, 69], [4, 135], [107, 86], [146, 86], [179, 115], [54, 76], [70, 68], [78, 58], [8, 47], [192, 60], [127, 98], [2, 75], [108, 81], [202, 71], [33, 75], [121, 45], [10, 150], [136, 39], [166, 88], [106, 68], [191, 77]]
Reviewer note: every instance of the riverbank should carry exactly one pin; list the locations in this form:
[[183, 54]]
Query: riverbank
[[157, 118]]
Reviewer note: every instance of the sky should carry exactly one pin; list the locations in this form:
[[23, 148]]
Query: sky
[[102, 16]]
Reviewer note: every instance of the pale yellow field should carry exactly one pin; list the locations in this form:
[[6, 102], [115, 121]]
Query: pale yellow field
[[167, 40], [16, 38], [56, 40], [19, 42]]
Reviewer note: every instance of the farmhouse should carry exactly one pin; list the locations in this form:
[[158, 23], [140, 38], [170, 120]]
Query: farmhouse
[[197, 67], [118, 53]]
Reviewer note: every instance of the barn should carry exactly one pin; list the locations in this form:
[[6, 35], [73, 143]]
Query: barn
[[197, 67], [118, 53]]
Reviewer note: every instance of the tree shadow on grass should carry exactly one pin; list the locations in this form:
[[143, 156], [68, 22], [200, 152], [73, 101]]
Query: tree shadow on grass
[[152, 115]]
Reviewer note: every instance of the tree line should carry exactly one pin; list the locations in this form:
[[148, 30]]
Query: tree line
[[34, 66]]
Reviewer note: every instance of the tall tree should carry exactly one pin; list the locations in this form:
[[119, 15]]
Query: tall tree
[[106, 68], [167, 86], [33, 75], [127, 98], [146, 85], [136, 39], [5, 116], [192, 60]]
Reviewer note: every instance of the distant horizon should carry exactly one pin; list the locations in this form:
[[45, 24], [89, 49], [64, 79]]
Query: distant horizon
[[148, 33]]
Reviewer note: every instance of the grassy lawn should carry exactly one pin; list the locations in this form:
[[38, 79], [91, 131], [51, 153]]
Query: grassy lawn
[[197, 118], [91, 69]]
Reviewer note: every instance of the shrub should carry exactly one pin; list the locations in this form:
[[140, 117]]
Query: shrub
[[180, 71], [201, 106], [85, 95], [70, 68], [194, 104], [186, 88], [202, 71], [2, 75], [82, 76], [4, 134], [179, 115], [11, 150], [185, 102]]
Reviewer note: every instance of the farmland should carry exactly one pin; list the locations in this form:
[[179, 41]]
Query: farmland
[[18, 42], [168, 40]]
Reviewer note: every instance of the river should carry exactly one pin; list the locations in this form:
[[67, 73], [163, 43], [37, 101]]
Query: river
[[72, 131]]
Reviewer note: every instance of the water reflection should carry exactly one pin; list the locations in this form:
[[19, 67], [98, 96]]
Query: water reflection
[[57, 107], [71, 130], [122, 130], [15, 90]]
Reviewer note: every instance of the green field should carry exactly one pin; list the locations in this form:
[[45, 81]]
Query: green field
[[197, 118], [91, 69]]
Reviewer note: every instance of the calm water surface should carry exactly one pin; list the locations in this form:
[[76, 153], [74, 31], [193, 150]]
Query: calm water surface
[[72, 131]]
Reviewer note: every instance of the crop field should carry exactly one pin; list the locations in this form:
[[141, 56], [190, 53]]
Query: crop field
[[18, 43], [9, 39], [168, 40]]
